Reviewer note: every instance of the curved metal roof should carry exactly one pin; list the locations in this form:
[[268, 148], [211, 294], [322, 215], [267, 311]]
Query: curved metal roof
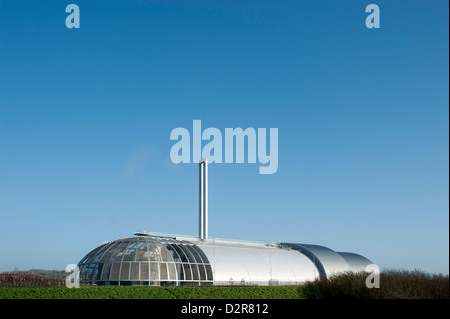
[[355, 261], [269, 265], [327, 261]]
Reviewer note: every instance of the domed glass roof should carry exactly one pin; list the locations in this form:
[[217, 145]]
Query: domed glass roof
[[146, 261]]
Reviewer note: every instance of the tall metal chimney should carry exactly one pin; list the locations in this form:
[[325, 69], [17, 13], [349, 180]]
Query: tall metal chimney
[[205, 208], [201, 234], [203, 200]]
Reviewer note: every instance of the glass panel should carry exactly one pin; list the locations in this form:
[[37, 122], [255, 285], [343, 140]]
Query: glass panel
[[196, 255], [174, 254], [89, 269], [155, 252], [154, 273], [201, 269], [95, 257], [202, 254], [81, 273], [209, 272], [163, 271], [165, 254], [180, 272], [187, 272], [144, 271], [188, 254], [142, 252], [180, 253], [194, 272], [172, 271], [130, 252], [92, 253], [115, 271], [108, 252], [118, 253], [97, 272], [125, 271], [134, 275], [106, 271], [81, 269]]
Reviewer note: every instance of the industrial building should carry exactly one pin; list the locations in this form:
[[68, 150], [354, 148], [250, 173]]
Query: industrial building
[[150, 259]]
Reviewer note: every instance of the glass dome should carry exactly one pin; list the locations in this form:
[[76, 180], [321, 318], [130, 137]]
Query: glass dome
[[144, 261]]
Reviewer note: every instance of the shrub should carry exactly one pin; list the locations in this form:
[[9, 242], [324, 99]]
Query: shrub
[[393, 285], [17, 279]]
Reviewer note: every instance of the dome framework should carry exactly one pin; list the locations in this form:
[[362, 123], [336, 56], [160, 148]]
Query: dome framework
[[143, 261]]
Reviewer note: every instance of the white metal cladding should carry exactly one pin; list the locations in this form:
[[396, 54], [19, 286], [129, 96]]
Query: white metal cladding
[[257, 265], [170, 260], [328, 261], [355, 261]]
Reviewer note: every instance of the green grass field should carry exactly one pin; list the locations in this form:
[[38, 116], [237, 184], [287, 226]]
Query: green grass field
[[153, 293]]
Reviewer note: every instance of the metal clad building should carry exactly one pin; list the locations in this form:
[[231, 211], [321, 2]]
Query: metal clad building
[[257, 265], [151, 260], [160, 260]]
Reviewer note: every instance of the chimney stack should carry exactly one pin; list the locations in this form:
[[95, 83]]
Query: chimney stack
[[203, 201]]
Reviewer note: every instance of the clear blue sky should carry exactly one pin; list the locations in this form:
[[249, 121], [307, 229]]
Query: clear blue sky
[[362, 114]]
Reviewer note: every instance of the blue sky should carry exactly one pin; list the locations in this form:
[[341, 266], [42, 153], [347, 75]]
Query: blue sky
[[362, 116]]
